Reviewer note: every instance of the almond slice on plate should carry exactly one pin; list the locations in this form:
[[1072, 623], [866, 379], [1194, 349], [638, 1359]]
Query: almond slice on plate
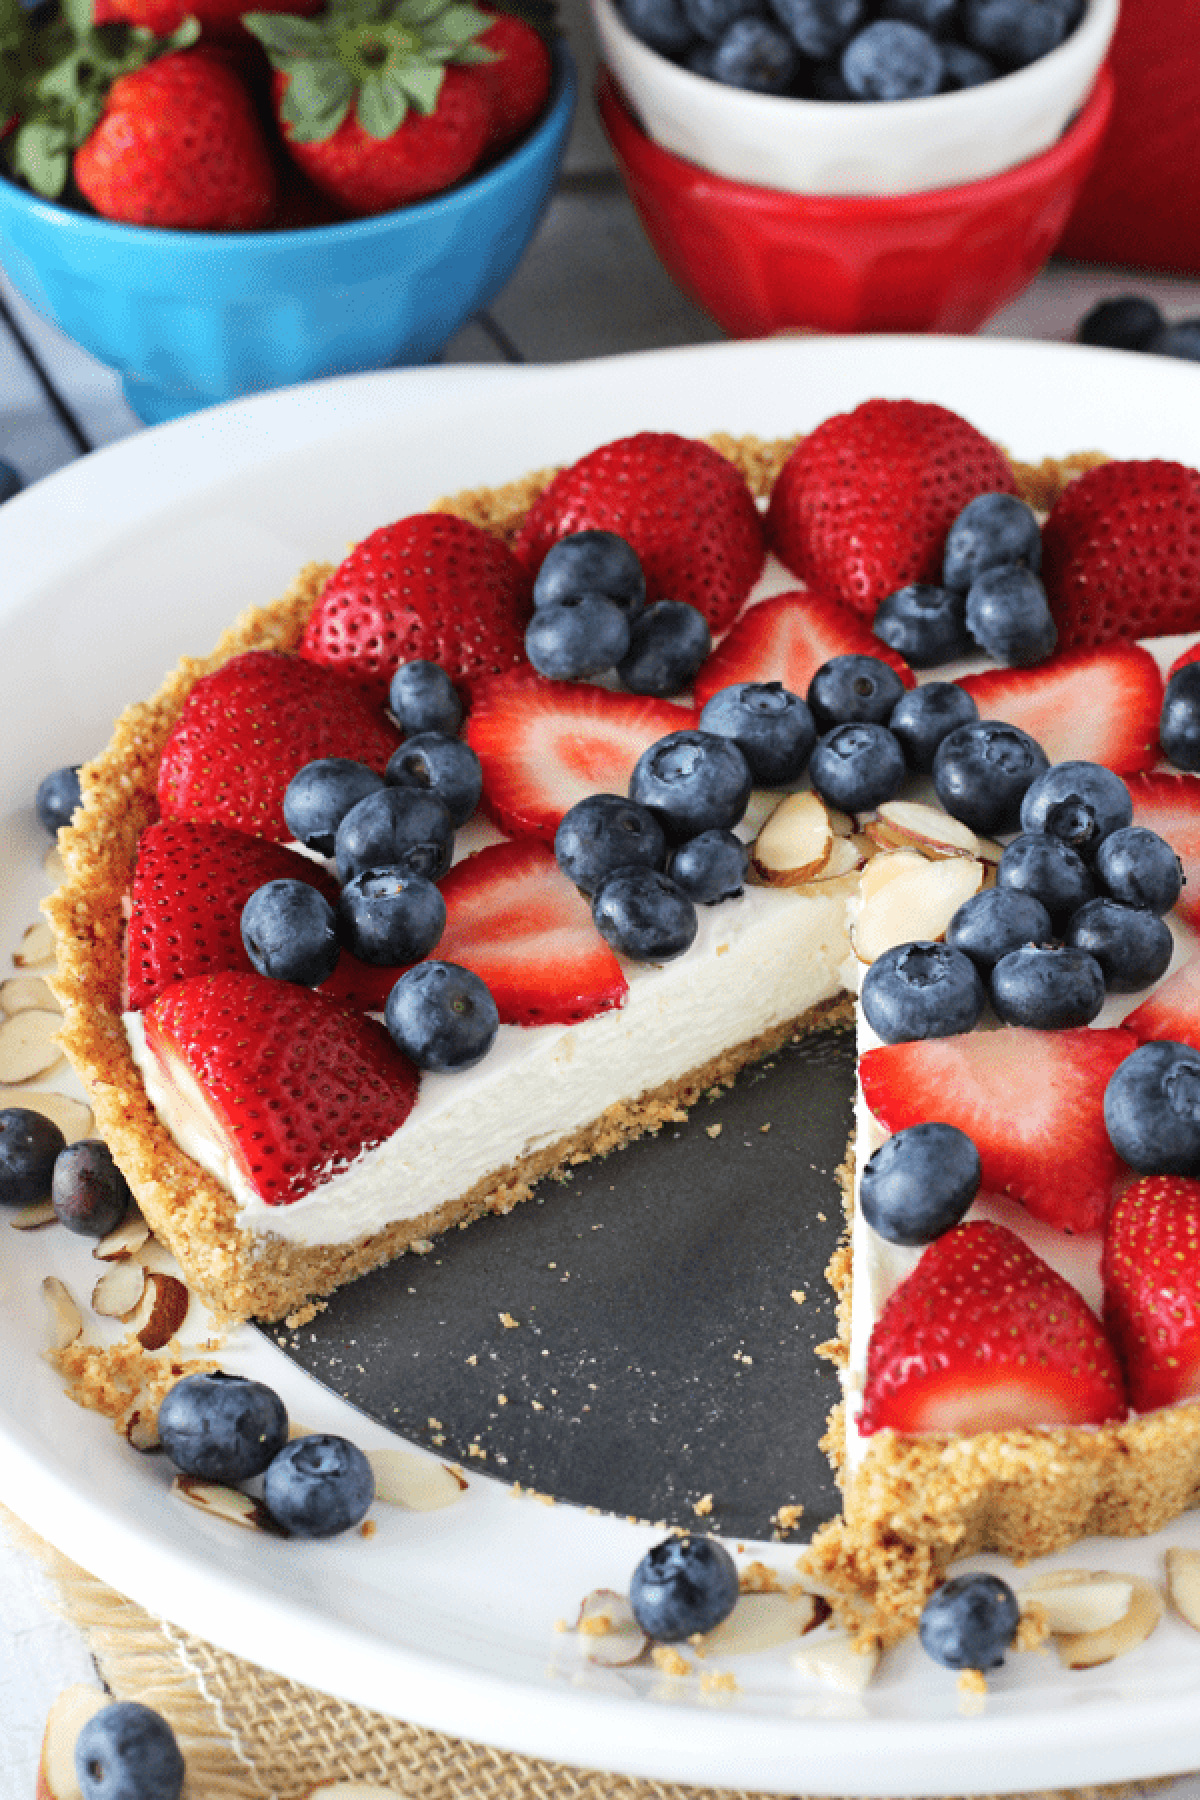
[[73, 1117], [227, 1503], [141, 1430], [29, 1045], [763, 1622], [917, 903], [66, 1320], [836, 1658], [69, 1713], [846, 857], [124, 1240], [26, 993], [1087, 1649], [1073, 1607], [31, 1218], [912, 822], [37, 947], [885, 867], [163, 1309], [608, 1631], [795, 843], [1183, 1583], [118, 1293], [402, 1478]]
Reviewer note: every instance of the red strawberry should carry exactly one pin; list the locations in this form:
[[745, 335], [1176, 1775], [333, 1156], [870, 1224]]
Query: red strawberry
[[220, 20], [1172, 1011], [432, 587], [985, 1336], [515, 919], [246, 729], [1121, 553], [293, 1084], [1170, 804], [1152, 1288], [546, 744], [1097, 706], [685, 509], [179, 145], [863, 504], [786, 639], [519, 81], [1032, 1101]]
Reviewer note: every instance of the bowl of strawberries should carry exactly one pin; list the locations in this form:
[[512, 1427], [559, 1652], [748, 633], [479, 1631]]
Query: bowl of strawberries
[[215, 201]]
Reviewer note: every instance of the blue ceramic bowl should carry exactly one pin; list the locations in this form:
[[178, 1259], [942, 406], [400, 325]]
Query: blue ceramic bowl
[[191, 318]]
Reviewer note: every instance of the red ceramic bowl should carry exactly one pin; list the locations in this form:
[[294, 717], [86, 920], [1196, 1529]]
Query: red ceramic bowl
[[760, 261]]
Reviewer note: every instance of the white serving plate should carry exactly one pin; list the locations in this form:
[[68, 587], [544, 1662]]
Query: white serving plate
[[142, 552]]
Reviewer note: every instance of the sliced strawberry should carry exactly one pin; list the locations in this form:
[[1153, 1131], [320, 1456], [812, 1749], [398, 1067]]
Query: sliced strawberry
[[1121, 553], [1170, 805], [685, 509], [786, 639], [863, 504], [985, 1336], [1172, 1011], [1032, 1101], [1152, 1288], [546, 744], [1098, 706], [246, 729], [513, 917], [293, 1085], [432, 587]]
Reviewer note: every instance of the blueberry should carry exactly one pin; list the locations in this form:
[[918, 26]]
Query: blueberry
[[662, 24], [853, 689], [1127, 322], [921, 990], [820, 28], [290, 933], [422, 697], [892, 60], [442, 1016], [990, 924], [1079, 802], [710, 20], [982, 771], [318, 1485], [1139, 868], [319, 796], [1152, 1109], [682, 1586], [396, 827], [924, 715], [1038, 864], [667, 644], [127, 1751], [694, 780], [937, 17], [89, 1193], [1132, 946], [1179, 723], [439, 765], [699, 59], [1016, 32], [606, 832], [926, 624], [57, 797], [29, 1147], [10, 482], [771, 727], [1181, 339], [963, 67], [388, 917], [222, 1427], [969, 1622], [599, 562], [757, 55], [992, 531], [644, 915], [571, 639], [1047, 988], [1009, 616], [710, 867], [920, 1183], [856, 767]]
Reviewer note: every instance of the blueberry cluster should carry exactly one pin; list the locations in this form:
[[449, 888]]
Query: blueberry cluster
[[991, 596], [225, 1428], [88, 1192], [1131, 322], [852, 49]]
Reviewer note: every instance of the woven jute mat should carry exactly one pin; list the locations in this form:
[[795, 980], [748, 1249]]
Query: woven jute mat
[[247, 1734]]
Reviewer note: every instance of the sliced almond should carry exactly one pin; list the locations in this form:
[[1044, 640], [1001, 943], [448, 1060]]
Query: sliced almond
[[844, 824], [125, 1240], [918, 903], [402, 1478], [29, 1045], [795, 843], [66, 1320], [1183, 1583], [1075, 1607], [846, 856], [69, 1713], [885, 867], [30, 1218], [608, 1632], [37, 947], [912, 822], [118, 1293], [73, 1118], [835, 1658], [1087, 1649], [27, 993], [226, 1503], [162, 1311], [762, 1622], [141, 1429]]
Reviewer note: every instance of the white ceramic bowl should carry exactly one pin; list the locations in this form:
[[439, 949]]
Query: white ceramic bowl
[[856, 147]]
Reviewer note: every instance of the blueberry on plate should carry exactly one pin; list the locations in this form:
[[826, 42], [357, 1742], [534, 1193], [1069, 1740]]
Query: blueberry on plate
[[222, 1427], [1126, 322], [1179, 722], [127, 1751], [981, 773], [29, 1147], [922, 990], [969, 1622], [318, 1486], [853, 689], [89, 1194], [924, 715], [289, 930], [927, 625], [389, 917], [1080, 802], [1152, 1109], [319, 796], [694, 780], [711, 867], [1009, 616], [667, 644], [756, 55], [396, 826], [57, 797], [1047, 988], [991, 531], [892, 60], [1038, 864], [771, 727], [606, 832], [597, 562], [422, 697], [682, 1586], [645, 915], [568, 640], [857, 767], [1139, 868], [436, 764], [442, 1016], [995, 921], [1132, 945], [920, 1183]]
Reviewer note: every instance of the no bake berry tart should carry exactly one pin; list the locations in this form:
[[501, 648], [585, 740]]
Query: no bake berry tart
[[282, 1140]]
